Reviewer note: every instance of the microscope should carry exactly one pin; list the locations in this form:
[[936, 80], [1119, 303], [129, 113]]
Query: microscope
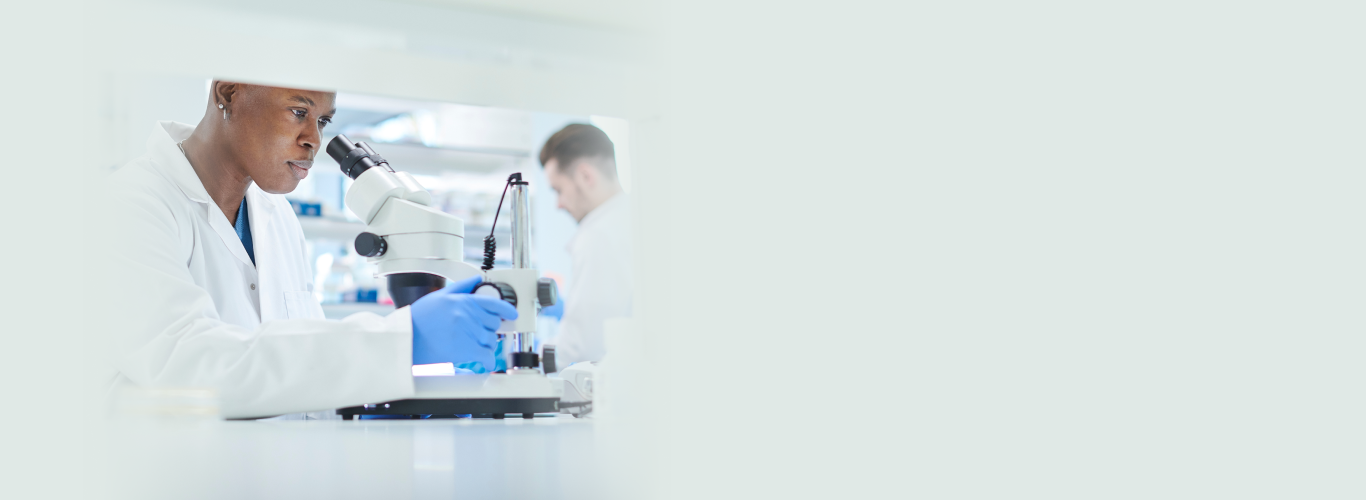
[[417, 249]]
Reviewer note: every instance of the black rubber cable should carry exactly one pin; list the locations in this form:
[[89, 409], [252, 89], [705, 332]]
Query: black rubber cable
[[491, 243]]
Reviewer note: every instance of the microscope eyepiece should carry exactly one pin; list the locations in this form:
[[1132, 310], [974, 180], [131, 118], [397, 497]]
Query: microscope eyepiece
[[354, 157], [339, 146]]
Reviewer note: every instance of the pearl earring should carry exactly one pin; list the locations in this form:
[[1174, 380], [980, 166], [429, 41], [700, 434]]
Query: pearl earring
[[225, 112]]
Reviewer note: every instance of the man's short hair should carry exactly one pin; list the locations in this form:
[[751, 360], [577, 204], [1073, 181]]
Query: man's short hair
[[579, 141]]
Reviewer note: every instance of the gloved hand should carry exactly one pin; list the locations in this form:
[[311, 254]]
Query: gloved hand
[[452, 326], [500, 359]]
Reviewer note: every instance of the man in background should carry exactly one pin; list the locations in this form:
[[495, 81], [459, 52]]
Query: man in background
[[580, 163]]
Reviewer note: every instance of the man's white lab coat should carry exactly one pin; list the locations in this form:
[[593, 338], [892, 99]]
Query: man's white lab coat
[[601, 289], [198, 313]]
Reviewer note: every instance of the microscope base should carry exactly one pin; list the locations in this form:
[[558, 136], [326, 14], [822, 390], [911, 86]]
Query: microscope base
[[497, 407], [495, 394]]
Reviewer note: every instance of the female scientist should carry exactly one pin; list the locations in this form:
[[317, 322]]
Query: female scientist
[[222, 285]]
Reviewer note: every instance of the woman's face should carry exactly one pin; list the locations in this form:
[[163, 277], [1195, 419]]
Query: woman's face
[[276, 132]]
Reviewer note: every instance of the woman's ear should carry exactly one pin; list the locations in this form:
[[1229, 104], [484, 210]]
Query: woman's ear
[[225, 92]]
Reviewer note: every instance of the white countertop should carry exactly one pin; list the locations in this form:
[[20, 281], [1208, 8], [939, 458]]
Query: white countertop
[[551, 457]]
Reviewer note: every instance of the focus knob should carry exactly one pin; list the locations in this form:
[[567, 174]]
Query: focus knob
[[547, 292], [497, 290], [370, 245]]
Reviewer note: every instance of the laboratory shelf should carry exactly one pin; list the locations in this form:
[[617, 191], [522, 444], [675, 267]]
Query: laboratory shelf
[[344, 309], [427, 160], [514, 152], [330, 229], [479, 232]]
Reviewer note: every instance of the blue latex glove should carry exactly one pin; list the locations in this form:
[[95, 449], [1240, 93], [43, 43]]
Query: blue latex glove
[[452, 326], [500, 356]]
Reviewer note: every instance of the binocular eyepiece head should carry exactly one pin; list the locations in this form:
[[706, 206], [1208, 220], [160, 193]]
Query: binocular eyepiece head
[[354, 157]]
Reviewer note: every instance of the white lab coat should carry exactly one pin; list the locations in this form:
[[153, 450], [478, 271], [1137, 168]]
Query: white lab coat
[[198, 313], [601, 288]]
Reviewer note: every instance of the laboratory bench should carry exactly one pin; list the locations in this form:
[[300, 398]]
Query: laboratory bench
[[544, 457], [340, 310]]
